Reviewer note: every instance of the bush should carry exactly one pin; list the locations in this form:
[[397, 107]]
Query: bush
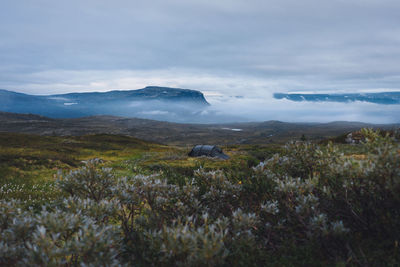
[[55, 238], [89, 181], [310, 204]]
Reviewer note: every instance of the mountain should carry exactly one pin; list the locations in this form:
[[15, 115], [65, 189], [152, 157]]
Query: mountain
[[146, 94], [163, 103], [385, 98], [179, 133]]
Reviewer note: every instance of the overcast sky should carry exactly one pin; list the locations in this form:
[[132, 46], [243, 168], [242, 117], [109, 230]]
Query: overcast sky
[[248, 48]]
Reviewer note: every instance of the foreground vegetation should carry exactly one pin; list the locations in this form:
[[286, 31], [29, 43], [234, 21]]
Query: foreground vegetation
[[308, 204]]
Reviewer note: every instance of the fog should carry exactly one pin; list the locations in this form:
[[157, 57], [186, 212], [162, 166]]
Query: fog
[[237, 52], [232, 97], [290, 111], [242, 109]]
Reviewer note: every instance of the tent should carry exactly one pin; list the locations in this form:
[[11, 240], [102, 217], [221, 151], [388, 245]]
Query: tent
[[208, 151]]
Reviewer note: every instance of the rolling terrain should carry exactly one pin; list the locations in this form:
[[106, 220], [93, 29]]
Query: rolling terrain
[[117, 193], [177, 133]]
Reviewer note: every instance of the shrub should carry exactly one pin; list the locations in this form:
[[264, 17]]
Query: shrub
[[88, 182], [55, 238], [309, 204]]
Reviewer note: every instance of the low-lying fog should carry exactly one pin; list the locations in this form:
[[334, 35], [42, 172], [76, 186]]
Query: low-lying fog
[[241, 109], [243, 51], [224, 109], [232, 98], [262, 109]]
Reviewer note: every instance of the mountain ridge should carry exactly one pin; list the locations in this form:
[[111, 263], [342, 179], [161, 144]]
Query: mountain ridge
[[148, 93], [385, 98], [152, 102]]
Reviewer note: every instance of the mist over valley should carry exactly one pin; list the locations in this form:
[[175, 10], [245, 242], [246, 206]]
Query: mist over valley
[[192, 106]]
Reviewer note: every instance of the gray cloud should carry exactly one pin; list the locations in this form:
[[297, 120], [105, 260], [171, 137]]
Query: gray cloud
[[233, 47]]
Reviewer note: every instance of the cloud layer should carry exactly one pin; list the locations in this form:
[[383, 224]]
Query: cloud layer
[[240, 50]]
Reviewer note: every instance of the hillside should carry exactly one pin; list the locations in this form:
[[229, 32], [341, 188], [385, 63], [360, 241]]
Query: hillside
[[176, 133], [152, 102], [29, 159], [115, 200]]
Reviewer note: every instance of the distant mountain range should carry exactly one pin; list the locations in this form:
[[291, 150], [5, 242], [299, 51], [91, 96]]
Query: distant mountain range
[[162, 103], [386, 98]]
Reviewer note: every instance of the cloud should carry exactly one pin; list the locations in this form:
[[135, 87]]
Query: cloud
[[154, 112], [338, 39], [256, 100], [289, 111], [225, 48]]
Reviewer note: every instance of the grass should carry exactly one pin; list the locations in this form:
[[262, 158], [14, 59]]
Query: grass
[[29, 164], [310, 205]]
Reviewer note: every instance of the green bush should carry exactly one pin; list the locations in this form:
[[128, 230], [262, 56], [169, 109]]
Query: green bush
[[308, 205]]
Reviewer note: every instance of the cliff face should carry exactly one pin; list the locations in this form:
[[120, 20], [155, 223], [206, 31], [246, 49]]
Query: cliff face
[[171, 94], [148, 93]]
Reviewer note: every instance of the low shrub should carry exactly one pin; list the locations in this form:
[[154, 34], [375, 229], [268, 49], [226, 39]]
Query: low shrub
[[308, 205]]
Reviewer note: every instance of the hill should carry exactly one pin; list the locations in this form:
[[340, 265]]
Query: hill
[[152, 102], [179, 133], [138, 203]]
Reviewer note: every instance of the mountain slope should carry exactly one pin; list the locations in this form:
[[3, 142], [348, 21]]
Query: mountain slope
[[178, 133], [171, 104], [145, 94]]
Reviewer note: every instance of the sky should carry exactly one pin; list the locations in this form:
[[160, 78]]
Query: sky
[[237, 52]]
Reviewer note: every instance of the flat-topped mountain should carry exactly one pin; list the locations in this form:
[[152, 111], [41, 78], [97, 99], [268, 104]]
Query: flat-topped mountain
[[152, 102], [145, 94]]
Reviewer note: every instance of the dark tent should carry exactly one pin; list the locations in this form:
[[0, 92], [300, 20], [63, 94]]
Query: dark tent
[[208, 151]]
